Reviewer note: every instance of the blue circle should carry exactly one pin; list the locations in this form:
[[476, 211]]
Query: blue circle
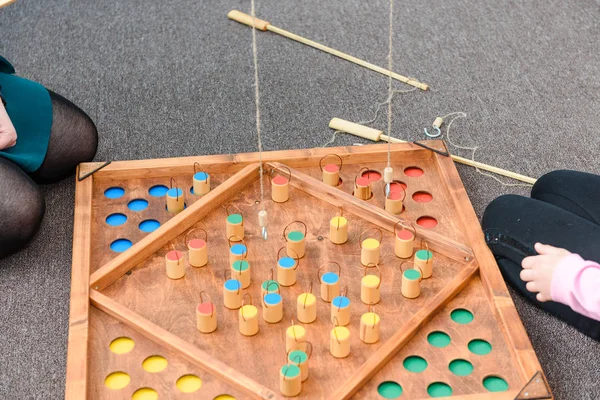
[[120, 245], [158, 190], [201, 176], [238, 249], [137, 205], [232, 285], [175, 192], [272, 299], [330, 278], [116, 219], [287, 262], [341, 302], [114, 192], [149, 225]]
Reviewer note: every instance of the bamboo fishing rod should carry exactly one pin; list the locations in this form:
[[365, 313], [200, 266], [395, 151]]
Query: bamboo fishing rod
[[266, 26], [376, 135]]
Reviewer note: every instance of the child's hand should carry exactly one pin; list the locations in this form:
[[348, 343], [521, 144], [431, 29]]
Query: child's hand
[[537, 270]]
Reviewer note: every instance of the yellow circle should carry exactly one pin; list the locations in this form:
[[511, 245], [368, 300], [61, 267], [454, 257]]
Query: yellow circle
[[370, 318], [121, 345], [340, 333], [338, 220], [145, 394], [117, 380], [295, 331], [224, 397], [189, 383], [371, 281], [370, 243], [154, 364], [309, 297], [248, 311]]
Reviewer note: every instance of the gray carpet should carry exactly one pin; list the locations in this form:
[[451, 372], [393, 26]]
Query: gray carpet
[[174, 78]]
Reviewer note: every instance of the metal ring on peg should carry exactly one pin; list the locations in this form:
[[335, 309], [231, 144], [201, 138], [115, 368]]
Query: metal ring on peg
[[324, 264], [293, 222], [401, 223], [438, 132], [212, 311], [358, 175], [228, 270], [239, 211], [295, 258], [185, 238], [171, 181], [343, 294], [275, 170], [367, 230], [195, 172], [376, 266], [330, 155], [387, 192], [303, 343], [336, 324], [245, 254], [243, 304], [420, 272], [310, 287]]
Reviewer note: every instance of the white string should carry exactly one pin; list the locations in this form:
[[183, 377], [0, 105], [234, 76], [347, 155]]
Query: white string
[[460, 114], [257, 102], [389, 116]]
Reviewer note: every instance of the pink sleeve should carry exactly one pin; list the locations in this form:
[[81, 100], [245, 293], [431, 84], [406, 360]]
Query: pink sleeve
[[576, 283]]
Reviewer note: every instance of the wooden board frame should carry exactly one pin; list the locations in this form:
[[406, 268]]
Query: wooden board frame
[[502, 305]]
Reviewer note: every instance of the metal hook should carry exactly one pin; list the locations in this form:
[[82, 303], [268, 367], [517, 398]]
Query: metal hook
[[437, 134]]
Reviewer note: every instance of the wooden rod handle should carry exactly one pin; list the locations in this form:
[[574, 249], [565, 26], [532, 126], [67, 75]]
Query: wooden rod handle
[[355, 129], [247, 20]]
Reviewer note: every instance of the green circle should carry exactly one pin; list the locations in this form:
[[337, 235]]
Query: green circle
[[290, 370], [389, 390], [295, 236], [415, 364], [297, 356], [439, 389], [412, 274], [479, 347], [438, 339], [240, 265], [461, 316], [234, 219], [460, 367], [270, 286], [495, 384], [424, 255]]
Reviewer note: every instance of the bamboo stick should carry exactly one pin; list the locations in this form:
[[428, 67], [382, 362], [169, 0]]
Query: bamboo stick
[[376, 135], [265, 25]]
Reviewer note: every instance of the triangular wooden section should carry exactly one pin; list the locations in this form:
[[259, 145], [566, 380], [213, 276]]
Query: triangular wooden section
[[536, 389]]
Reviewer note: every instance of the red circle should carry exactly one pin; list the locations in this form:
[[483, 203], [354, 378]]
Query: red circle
[[371, 175], [427, 222], [414, 172], [405, 234], [280, 180], [397, 185], [422, 197], [174, 255], [206, 308], [362, 182], [396, 195], [331, 168], [196, 243]]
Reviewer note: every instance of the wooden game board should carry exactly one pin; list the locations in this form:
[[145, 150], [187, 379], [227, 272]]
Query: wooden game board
[[129, 295]]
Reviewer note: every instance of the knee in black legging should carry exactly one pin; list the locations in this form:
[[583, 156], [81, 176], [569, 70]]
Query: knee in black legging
[[498, 212], [21, 208], [550, 181]]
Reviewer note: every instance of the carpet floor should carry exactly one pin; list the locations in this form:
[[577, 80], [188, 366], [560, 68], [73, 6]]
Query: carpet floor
[[174, 78]]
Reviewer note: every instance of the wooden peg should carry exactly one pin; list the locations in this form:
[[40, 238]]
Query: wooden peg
[[306, 308], [201, 182], [403, 242], [295, 241], [286, 269], [232, 294], [175, 264], [369, 286], [234, 227], [340, 309], [370, 248], [237, 251], [339, 342], [175, 199], [394, 200], [338, 229], [295, 338], [248, 318], [331, 172], [424, 261], [300, 358], [272, 308], [411, 283], [370, 327], [197, 249], [290, 380], [362, 188], [206, 316], [269, 286], [240, 270], [280, 187], [330, 282]]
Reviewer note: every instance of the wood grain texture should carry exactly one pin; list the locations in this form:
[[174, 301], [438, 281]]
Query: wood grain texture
[[104, 329], [77, 350], [227, 373]]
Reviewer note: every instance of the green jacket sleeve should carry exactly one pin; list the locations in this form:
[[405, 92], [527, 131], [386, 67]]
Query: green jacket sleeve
[[5, 66]]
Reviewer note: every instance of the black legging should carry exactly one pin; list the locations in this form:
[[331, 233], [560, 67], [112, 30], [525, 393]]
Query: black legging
[[563, 211], [73, 139]]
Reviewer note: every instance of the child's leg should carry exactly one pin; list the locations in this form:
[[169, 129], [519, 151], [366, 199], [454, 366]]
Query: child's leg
[[513, 224], [577, 192]]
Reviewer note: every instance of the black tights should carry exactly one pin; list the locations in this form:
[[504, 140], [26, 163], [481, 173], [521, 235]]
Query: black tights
[[73, 139], [563, 211]]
